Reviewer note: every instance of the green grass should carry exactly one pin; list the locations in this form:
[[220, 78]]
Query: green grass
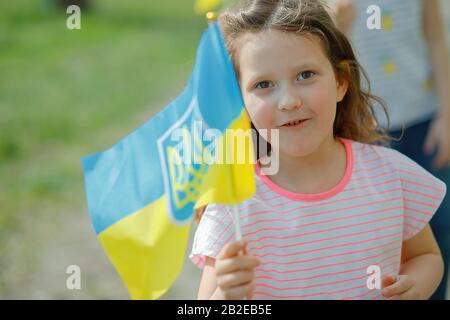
[[65, 93]]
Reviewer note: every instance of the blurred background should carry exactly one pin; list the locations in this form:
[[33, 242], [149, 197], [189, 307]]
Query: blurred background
[[67, 93]]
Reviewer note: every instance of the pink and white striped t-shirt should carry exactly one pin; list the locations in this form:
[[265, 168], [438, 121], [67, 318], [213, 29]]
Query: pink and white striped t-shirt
[[319, 246]]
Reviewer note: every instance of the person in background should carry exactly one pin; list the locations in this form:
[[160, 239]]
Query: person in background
[[407, 62]]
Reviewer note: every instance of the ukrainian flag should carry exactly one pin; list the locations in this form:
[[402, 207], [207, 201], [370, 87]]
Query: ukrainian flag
[[141, 193]]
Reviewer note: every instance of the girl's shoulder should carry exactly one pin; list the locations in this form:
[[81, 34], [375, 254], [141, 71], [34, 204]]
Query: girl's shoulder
[[369, 154], [376, 158]]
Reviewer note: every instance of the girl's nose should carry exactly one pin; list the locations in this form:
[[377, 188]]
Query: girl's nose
[[289, 98]]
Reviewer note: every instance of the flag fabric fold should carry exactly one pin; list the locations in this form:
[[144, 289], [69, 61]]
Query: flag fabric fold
[[142, 192]]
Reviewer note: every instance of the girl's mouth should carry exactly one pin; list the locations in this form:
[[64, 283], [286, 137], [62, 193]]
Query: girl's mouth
[[295, 124]]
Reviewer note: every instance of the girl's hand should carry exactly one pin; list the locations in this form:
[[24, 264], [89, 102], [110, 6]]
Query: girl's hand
[[235, 271], [344, 12], [438, 136], [401, 287]]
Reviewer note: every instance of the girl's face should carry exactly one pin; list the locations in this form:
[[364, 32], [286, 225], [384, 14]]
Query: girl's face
[[286, 78]]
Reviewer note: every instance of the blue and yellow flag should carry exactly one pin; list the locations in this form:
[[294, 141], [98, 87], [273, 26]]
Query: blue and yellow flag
[[142, 192]]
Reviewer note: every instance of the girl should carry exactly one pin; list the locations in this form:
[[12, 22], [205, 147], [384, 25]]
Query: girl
[[340, 204]]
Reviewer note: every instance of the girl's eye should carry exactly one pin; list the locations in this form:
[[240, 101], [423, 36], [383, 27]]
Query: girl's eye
[[305, 75], [263, 85]]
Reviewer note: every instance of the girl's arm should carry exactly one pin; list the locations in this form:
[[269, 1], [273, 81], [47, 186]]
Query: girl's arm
[[434, 31], [421, 268], [209, 290], [208, 283]]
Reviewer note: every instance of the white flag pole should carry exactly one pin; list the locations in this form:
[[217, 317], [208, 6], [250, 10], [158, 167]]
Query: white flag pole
[[237, 223], [237, 228]]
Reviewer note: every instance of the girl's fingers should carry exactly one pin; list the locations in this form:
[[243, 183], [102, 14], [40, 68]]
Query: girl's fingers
[[235, 264], [235, 279], [386, 281], [403, 284], [239, 292], [245, 247], [231, 249], [243, 251], [410, 294], [250, 290]]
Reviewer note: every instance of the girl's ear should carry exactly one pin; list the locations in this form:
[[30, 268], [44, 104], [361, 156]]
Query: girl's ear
[[342, 82]]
